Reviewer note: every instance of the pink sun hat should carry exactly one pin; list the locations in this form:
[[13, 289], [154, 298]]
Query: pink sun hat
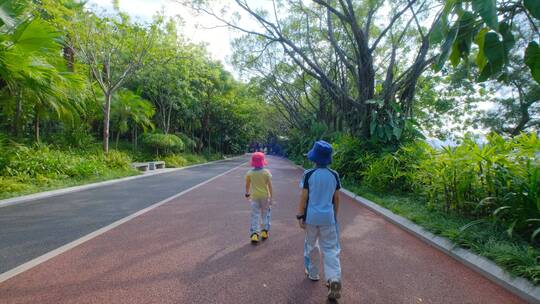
[[258, 160]]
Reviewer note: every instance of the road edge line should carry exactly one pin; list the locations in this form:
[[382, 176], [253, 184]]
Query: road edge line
[[51, 193], [51, 254], [516, 285]]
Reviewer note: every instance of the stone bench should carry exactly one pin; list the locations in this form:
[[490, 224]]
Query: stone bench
[[156, 165], [140, 166], [153, 165]]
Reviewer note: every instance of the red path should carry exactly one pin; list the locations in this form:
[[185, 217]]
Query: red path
[[195, 249]]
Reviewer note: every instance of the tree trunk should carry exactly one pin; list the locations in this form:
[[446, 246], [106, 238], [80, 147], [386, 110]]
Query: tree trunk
[[134, 140], [17, 119], [117, 139], [106, 119], [36, 125]]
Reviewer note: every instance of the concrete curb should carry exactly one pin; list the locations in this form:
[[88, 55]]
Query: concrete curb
[[47, 194], [518, 286]]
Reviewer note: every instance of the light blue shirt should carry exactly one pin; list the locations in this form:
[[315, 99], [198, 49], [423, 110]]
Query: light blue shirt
[[322, 184]]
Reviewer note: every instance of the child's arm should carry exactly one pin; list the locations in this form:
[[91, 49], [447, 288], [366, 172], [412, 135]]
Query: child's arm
[[248, 186], [302, 207], [336, 202]]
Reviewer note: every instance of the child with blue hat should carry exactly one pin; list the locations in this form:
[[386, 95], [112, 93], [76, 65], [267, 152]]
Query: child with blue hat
[[317, 213]]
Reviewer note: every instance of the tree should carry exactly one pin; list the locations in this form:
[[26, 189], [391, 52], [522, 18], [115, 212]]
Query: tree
[[114, 49], [518, 112], [368, 70], [129, 109], [167, 83], [492, 26], [31, 70]]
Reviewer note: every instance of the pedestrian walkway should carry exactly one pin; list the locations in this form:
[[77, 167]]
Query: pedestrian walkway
[[195, 249]]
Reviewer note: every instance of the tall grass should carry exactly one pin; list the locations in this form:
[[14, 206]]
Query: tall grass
[[497, 181], [29, 169]]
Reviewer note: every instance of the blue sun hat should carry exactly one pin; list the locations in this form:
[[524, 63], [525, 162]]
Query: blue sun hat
[[321, 153]]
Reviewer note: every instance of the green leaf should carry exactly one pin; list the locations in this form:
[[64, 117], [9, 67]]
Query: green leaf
[[388, 132], [437, 35], [487, 9], [397, 132], [380, 132], [36, 35], [494, 52], [5, 18], [471, 224], [532, 59], [446, 48], [510, 230], [481, 59], [455, 55], [372, 127], [508, 39], [533, 6], [498, 210], [465, 34], [535, 233], [378, 102]]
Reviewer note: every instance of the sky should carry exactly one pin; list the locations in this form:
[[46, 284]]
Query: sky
[[199, 29]]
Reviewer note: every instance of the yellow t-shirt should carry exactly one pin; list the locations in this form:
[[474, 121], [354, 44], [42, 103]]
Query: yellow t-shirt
[[259, 181]]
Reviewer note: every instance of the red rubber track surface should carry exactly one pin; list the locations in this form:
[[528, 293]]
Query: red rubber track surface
[[196, 249]]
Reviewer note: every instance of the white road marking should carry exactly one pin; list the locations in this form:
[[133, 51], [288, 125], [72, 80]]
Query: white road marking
[[51, 254]]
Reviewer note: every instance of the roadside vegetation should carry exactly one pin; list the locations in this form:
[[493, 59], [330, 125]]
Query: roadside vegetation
[[84, 93]]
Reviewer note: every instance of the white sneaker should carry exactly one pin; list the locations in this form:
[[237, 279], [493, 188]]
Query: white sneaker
[[312, 278]]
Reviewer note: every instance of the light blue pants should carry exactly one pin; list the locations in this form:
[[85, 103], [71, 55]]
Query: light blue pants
[[325, 239], [261, 211]]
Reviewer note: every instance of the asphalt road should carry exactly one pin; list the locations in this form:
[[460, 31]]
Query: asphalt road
[[195, 249], [34, 228]]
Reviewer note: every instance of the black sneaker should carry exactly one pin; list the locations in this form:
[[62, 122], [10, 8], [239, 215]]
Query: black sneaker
[[334, 290]]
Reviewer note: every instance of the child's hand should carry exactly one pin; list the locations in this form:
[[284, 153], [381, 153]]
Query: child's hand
[[302, 224]]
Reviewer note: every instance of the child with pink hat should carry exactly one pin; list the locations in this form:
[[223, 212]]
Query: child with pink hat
[[259, 193]]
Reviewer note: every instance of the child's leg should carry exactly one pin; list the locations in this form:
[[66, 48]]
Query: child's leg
[[311, 251], [255, 217], [266, 216], [330, 247]]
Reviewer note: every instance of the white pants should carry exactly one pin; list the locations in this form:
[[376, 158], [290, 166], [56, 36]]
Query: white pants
[[260, 212], [325, 239]]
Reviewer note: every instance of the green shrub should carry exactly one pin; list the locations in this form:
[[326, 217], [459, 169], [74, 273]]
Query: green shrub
[[189, 143], [385, 173], [117, 160], [351, 158], [51, 163], [175, 161], [11, 184], [166, 143], [194, 158]]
